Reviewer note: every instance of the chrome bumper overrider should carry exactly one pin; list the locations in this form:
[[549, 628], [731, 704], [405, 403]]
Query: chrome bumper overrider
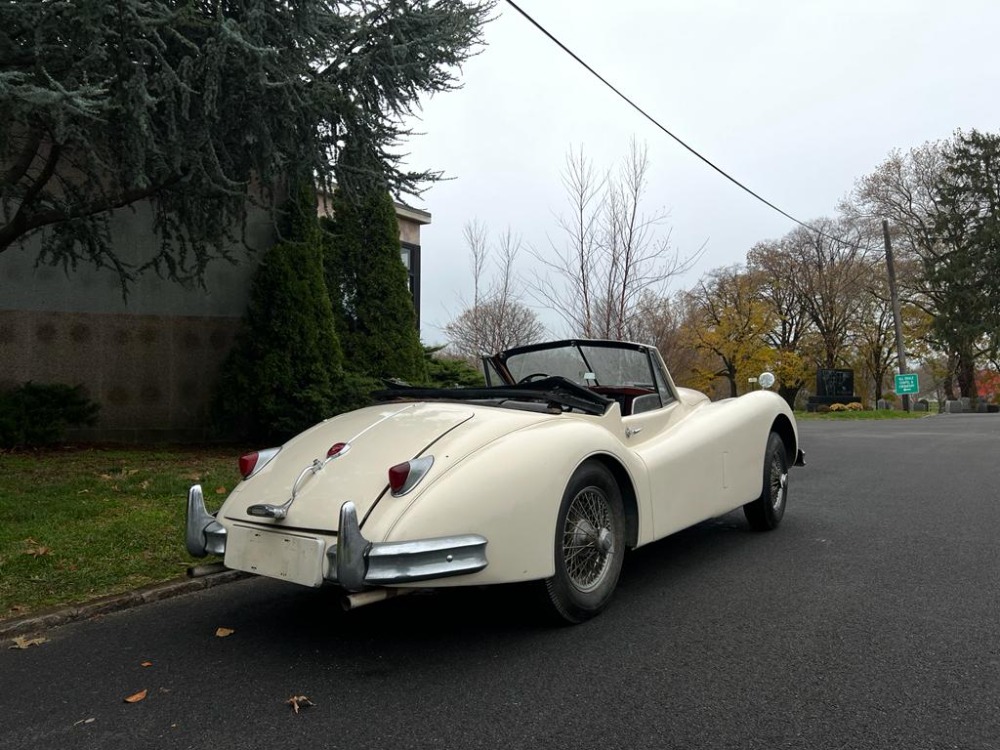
[[204, 534], [354, 562]]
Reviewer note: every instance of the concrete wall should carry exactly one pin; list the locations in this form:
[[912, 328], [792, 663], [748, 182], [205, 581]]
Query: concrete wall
[[151, 360]]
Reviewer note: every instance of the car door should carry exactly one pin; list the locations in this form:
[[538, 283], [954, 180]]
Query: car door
[[685, 454]]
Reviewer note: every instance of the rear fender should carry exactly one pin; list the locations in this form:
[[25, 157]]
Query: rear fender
[[509, 492]]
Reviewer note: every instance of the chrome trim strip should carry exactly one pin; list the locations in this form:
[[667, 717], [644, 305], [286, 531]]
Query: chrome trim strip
[[203, 534], [355, 562]]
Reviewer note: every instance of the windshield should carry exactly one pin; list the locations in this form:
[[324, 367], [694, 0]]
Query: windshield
[[585, 365]]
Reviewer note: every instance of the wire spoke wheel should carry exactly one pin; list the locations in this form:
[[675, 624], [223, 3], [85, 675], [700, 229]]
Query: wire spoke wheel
[[779, 478], [766, 512], [590, 538]]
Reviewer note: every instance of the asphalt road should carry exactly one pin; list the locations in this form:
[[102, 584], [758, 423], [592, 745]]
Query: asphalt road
[[870, 619]]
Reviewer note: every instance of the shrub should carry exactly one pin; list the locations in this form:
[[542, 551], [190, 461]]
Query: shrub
[[444, 371], [285, 372], [838, 407], [822, 409], [366, 278], [34, 414], [855, 406]]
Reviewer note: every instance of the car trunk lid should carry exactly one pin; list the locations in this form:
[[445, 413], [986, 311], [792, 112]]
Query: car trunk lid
[[374, 439]]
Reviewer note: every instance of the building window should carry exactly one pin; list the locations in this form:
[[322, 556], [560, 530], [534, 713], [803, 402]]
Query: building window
[[410, 255]]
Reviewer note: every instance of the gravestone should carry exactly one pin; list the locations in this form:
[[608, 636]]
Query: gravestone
[[833, 387]]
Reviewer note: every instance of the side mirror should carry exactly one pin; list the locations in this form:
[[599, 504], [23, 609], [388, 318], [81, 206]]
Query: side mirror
[[766, 379]]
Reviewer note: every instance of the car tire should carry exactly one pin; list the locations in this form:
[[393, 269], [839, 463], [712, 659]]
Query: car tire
[[589, 545], [766, 512]]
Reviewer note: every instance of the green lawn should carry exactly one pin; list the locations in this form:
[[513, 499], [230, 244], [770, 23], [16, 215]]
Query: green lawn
[[80, 523], [867, 414]]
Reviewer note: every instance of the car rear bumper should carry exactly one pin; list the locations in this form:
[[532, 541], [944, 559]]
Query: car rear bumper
[[352, 561]]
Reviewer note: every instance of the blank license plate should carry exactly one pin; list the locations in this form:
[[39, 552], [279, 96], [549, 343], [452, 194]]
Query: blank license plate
[[288, 557]]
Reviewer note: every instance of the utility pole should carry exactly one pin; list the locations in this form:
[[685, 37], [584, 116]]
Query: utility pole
[[896, 317]]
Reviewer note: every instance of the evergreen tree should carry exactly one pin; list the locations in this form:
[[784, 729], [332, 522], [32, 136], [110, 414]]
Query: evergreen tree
[[203, 108], [962, 264], [366, 276], [285, 371]]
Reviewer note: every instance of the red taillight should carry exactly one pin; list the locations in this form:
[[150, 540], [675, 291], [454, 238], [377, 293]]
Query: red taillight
[[397, 476], [251, 463], [405, 476], [248, 463], [336, 449]]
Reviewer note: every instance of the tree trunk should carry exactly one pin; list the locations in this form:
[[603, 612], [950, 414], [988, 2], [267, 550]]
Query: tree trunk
[[949, 379], [789, 393], [966, 374]]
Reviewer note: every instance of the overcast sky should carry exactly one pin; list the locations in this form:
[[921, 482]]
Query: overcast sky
[[794, 98]]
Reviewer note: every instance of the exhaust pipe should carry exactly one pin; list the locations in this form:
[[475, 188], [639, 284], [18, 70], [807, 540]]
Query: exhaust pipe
[[364, 598], [206, 569]]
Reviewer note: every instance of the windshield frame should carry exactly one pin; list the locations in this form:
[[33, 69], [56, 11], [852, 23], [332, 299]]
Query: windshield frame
[[659, 376]]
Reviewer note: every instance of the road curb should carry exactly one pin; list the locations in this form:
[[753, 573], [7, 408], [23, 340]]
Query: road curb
[[53, 618]]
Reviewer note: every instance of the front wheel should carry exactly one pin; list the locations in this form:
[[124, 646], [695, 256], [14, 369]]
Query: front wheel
[[766, 512], [589, 545]]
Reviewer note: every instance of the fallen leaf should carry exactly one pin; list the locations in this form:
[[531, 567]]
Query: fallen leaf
[[299, 701], [22, 642], [144, 485], [224, 632], [146, 664], [220, 490], [37, 551], [136, 697]]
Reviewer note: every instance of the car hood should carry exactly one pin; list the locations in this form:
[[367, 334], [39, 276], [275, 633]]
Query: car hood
[[378, 437]]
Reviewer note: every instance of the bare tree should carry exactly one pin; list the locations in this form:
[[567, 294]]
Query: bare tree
[[614, 254], [496, 319], [772, 267], [829, 269]]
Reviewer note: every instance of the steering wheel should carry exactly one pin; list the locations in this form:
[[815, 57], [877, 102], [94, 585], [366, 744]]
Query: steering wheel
[[532, 376]]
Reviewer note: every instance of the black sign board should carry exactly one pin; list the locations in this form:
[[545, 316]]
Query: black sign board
[[835, 383]]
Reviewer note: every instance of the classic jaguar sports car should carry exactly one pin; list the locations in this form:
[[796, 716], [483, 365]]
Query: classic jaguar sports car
[[573, 451]]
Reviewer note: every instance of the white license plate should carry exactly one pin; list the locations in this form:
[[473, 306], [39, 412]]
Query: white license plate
[[288, 557]]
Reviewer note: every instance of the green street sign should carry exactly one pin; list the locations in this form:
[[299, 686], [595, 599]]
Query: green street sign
[[907, 383]]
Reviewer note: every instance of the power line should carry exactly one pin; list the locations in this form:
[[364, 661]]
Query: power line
[[655, 122]]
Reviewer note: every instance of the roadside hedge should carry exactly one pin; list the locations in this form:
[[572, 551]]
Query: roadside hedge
[[36, 414]]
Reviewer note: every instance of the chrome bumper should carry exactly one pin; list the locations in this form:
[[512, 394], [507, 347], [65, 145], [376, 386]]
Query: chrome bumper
[[354, 562]]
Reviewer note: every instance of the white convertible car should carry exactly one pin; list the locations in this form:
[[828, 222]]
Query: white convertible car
[[574, 451]]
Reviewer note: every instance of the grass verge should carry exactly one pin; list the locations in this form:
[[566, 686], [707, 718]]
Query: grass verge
[[80, 523], [867, 414]]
